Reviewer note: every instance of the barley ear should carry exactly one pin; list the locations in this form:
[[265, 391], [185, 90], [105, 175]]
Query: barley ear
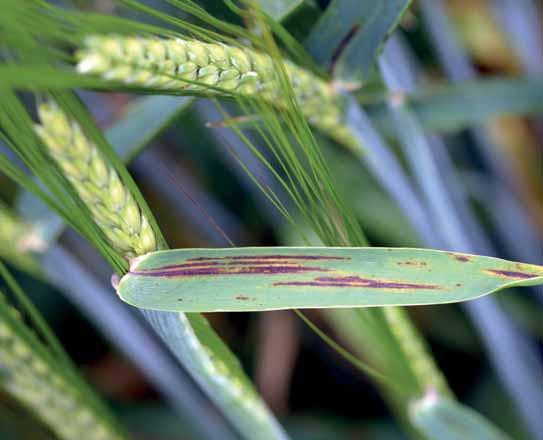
[[97, 183], [167, 64], [31, 378]]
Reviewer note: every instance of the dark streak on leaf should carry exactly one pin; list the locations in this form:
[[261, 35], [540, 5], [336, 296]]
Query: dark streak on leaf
[[460, 257], [343, 44], [511, 274], [271, 269], [271, 257], [412, 263], [355, 281], [207, 264]]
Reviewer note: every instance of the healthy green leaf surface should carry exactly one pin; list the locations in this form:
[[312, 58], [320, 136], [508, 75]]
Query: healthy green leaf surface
[[356, 30], [144, 120], [457, 106], [257, 279], [444, 419]]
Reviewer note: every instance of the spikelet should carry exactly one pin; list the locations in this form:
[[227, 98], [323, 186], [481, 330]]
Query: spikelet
[[34, 381], [167, 64], [111, 204]]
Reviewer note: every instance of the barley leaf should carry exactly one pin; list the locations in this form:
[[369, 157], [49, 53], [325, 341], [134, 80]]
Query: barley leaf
[[280, 9], [444, 419], [350, 35], [144, 121], [455, 107], [257, 279]]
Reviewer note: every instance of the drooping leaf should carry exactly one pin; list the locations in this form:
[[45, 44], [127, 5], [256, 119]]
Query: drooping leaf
[[256, 279], [443, 419], [350, 34]]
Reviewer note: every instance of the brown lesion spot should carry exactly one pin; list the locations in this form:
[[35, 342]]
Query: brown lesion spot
[[462, 258], [412, 263], [242, 297]]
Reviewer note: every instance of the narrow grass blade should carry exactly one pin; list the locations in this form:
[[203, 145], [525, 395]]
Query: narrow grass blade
[[256, 279], [381, 162], [465, 104], [143, 121], [280, 9], [522, 21], [356, 30], [458, 67], [443, 419]]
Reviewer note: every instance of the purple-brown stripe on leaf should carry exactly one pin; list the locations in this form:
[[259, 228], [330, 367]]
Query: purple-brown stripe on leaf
[[271, 257], [271, 269], [356, 281], [511, 274]]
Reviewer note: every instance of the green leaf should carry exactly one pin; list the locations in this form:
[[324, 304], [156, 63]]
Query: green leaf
[[451, 107], [144, 121], [461, 105], [280, 9], [257, 279], [443, 419], [365, 26]]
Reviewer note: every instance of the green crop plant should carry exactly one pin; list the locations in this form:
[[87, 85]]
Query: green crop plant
[[43, 382], [193, 66], [273, 71]]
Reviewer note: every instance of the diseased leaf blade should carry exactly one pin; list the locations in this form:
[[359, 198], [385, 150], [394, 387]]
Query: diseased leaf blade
[[257, 279], [443, 419]]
